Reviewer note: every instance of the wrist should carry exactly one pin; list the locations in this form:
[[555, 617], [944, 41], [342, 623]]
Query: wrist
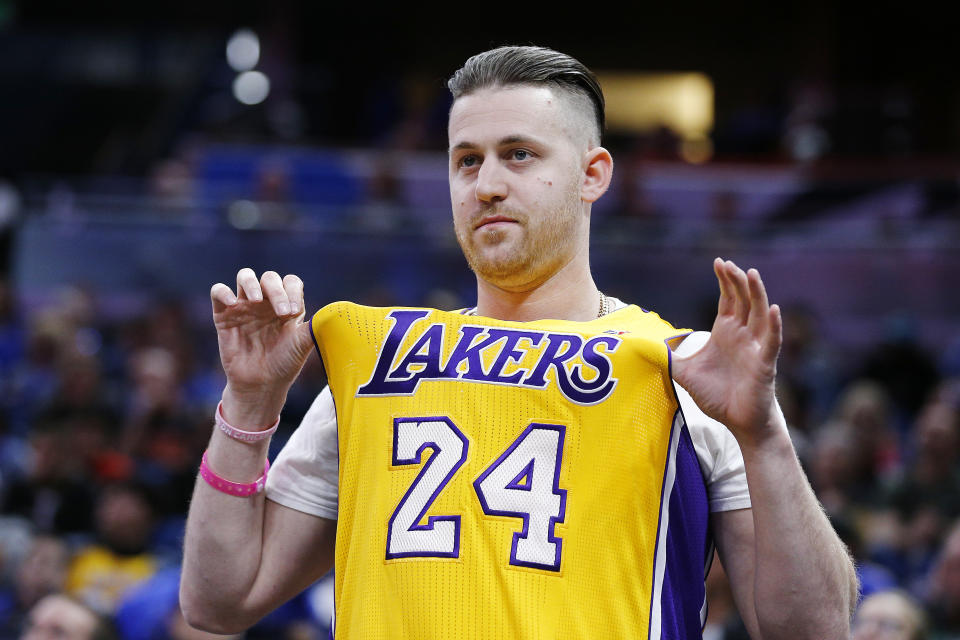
[[238, 489], [770, 441], [251, 410]]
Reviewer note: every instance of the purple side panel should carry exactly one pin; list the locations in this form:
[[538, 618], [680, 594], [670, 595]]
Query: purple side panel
[[687, 547]]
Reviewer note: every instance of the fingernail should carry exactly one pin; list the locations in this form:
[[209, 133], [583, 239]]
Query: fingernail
[[283, 308], [294, 307]]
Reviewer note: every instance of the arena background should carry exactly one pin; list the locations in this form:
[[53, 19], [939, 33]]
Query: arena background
[[821, 149]]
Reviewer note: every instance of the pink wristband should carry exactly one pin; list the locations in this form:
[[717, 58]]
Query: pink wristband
[[241, 490], [240, 434]]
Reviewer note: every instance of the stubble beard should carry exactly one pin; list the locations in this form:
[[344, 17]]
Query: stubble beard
[[544, 245]]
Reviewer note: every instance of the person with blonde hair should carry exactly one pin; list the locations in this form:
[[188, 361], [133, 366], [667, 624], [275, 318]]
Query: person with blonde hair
[[890, 615]]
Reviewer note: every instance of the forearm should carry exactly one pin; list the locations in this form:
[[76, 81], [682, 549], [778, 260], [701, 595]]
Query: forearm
[[804, 582], [223, 543]]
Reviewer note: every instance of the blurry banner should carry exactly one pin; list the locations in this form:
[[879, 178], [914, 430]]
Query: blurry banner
[[641, 102]]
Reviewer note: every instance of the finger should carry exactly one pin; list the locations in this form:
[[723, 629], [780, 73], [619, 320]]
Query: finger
[[726, 306], [294, 288], [759, 305], [774, 338], [741, 290], [248, 287], [274, 292], [222, 297]]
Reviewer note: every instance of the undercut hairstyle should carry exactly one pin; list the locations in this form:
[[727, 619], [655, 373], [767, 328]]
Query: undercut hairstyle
[[531, 66]]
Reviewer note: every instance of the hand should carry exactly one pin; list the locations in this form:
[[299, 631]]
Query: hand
[[732, 377], [263, 343]]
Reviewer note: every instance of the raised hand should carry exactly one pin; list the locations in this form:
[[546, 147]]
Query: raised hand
[[263, 341], [732, 377]]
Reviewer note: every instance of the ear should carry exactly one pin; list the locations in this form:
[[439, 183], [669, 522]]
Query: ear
[[597, 172]]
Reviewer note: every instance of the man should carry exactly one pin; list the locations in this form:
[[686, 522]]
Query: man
[[564, 494], [58, 617], [889, 615]]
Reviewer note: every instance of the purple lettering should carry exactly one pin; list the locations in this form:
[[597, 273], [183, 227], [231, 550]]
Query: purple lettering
[[378, 385]]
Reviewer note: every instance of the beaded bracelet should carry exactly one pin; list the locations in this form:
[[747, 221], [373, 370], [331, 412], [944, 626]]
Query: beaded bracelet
[[240, 434], [239, 489]]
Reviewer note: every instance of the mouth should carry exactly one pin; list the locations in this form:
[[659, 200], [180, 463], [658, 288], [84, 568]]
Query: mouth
[[492, 220]]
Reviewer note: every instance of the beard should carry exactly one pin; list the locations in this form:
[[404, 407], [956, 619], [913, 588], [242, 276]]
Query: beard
[[531, 253]]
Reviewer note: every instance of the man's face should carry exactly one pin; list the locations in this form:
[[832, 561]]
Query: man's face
[[58, 618], [885, 616], [515, 178]]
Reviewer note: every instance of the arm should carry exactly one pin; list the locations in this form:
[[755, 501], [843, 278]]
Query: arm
[[245, 556], [791, 575]]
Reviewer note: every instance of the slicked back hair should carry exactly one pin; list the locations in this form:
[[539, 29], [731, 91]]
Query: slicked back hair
[[533, 66]]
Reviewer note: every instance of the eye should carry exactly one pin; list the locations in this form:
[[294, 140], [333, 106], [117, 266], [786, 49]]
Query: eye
[[467, 161], [520, 154]]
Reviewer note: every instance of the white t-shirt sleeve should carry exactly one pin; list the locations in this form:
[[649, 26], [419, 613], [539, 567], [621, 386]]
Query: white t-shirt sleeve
[[305, 474], [717, 450]]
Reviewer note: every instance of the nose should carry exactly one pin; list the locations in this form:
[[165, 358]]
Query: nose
[[491, 182]]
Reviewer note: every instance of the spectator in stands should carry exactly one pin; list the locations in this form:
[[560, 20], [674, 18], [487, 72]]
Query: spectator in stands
[[163, 435], [925, 498], [54, 495], [41, 573], [864, 410], [943, 594], [889, 615], [902, 366], [58, 617], [81, 408], [120, 557], [808, 364], [872, 576], [833, 463], [33, 381]]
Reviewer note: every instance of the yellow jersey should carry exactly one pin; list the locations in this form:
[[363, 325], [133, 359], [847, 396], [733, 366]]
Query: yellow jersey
[[508, 480]]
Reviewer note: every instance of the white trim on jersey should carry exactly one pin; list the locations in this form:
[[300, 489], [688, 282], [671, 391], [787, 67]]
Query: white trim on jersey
[[660, 560]]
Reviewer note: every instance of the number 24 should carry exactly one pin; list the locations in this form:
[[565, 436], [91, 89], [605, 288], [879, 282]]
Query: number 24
[[523, 482]]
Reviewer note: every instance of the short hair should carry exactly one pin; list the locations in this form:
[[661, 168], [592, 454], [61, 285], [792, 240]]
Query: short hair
[[917, 616], [103, 626], [529, 65]]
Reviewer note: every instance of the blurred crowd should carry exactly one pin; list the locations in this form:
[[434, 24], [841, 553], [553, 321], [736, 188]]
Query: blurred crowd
[[101, 431], [102, 425], [880, 441]]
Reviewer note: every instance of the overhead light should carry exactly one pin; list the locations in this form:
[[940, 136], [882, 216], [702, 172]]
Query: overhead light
[[244, 214], [251, 87], [243, 50], [641, 102]]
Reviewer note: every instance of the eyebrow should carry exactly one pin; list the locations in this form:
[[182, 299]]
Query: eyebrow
[[502, 142]]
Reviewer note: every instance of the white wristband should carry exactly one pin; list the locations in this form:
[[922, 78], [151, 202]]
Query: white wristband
[[240, 434]]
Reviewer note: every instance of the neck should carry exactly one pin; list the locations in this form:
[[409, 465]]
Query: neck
[[569, 294]]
